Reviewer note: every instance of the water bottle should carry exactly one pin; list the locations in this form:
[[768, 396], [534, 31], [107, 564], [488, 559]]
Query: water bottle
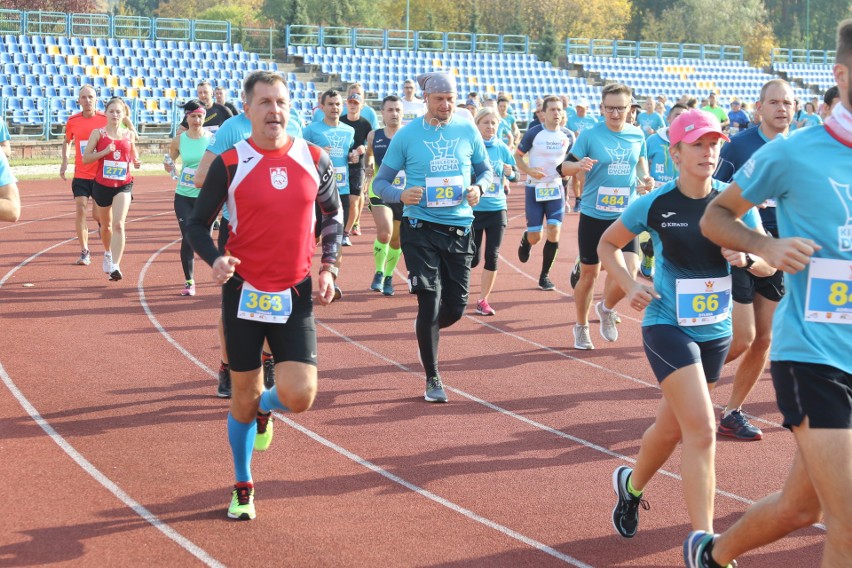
[[167, 160]]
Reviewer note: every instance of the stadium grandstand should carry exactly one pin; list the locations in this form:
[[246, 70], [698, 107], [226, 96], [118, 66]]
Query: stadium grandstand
[[156, 63]]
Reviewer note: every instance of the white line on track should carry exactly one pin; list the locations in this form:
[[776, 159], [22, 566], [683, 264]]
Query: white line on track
[[85, 464], [346, 453]]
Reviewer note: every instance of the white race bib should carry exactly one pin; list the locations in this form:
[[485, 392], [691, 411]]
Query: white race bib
[[187, 177], [444, 191], [116, 171], [702, 301], [548, 190], [612, 199], [267, 307], [829, 295], [399, 180], [341, 176]]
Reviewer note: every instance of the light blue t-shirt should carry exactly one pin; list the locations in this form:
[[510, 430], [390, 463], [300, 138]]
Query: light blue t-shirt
[[611, 183], [338, 140], [366, 111], [578, 124], [809, 175], [494, 198], [660, 164], [438, 160], [6, 176], [4, 130], [649, 121], [692, 277]]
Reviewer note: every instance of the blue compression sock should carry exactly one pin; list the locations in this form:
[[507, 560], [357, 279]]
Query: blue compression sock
[[241, 437], [269, 401]]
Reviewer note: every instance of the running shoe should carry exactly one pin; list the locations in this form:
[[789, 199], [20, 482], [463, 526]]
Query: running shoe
[[378, 277], [483, 309], [696, 553], [107, 262], [575, 273], [346, 241], [545, 284], [242, 502], [338, 293], [188, 289], [356, 230], [435, 390], [115, 275], [85, 258], [647, 267], [625, 515], [387, 286], [736, 425], [524, 250], [268, 372], [608, 329], [582, 340], [264, 432], [216, 225], [224, 390]]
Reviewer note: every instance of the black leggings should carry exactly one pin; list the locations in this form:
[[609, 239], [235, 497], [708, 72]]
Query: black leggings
[[493, 240], [429, 309], [183, 210]]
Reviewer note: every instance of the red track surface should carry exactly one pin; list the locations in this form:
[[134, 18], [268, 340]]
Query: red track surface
[[514, 471]]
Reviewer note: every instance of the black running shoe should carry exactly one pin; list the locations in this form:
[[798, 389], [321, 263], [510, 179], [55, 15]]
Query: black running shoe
[[575, 273], [545, 284], [435, 390], [268, 373], [115, 275], [625, 515], [524, 249], [224, 390]]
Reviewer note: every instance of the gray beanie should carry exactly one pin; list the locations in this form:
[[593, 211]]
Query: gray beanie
[[439, 82]]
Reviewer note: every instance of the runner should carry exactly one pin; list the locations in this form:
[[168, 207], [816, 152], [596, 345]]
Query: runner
[[755, 299], [489, 215], [78, 130], [438, 153], [542, 149], [220, 95], [10, 199], [412, 107], [509, 133], [809, 176], [362, 128], [686, 329], [266, 271], [613, 155], [189, 147], [386, 248], [113, 149], [5, 138], [650, 121], [217, 114]]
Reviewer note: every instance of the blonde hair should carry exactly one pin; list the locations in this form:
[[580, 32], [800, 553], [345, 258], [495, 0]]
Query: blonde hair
[[485, 112]]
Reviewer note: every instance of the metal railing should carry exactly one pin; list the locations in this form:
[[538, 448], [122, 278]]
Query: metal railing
[[653, 50], [814, 56]]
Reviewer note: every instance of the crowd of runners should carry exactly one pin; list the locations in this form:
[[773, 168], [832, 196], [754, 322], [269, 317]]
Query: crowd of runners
[[721, 227]]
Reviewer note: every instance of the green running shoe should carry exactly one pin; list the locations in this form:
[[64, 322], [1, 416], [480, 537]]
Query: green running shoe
[[242, 502], [264, 432]]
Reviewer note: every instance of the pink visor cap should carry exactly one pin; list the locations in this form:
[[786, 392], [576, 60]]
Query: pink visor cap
[[692, 125]]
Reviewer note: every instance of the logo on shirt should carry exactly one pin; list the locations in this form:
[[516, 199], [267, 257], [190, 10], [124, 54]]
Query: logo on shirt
[[708, 286], [336, 140], [278, 178], [443, 159], [619, 166], [667, 215], [116, 155], [844, 232], [748, 167], [674, 225]]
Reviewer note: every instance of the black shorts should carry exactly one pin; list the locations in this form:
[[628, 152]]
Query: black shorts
[[224, 233], [821, 393], [745, 285], [396, 208], [104, 195], [356, 181], [669, 348], [82, 187], [487, 219], [295, 340], [438, 258], [589, 232]]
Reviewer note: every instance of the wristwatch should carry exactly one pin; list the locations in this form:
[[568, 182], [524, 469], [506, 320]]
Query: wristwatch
[[329, 268], [749, 261]]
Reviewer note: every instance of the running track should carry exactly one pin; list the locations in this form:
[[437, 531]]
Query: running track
[[114, 446]]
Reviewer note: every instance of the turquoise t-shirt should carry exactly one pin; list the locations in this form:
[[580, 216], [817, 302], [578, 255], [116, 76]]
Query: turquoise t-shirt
[[366, 111], [578, 124], [6, 176], [660, 164], [649, 121], [338, 140], [692, 277], [611, 183], [809, 175], [494, 198], [438, 160]]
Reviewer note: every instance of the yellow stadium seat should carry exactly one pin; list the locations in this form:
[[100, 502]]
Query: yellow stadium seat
[[104, 71], [111, 81], [53, 50], [91, 50], [437, 63], [132, 93], [98, 60], [472, 81], [171, 94], [91, 71], [137, 82], [151, 104], [72, 60]]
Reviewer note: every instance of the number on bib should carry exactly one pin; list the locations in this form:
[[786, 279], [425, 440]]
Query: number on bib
[[829, 293], [444, 192], [548, 191], [612, 199], [116, 171], [702, 301], [268, 307]]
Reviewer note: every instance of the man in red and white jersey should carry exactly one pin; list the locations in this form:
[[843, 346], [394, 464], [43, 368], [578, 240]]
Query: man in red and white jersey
[[271, 183]]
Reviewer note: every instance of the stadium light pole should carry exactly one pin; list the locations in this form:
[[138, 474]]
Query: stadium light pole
[[808, 25]]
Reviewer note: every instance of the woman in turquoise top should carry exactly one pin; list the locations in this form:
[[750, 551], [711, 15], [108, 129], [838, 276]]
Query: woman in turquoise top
[[189, 147]]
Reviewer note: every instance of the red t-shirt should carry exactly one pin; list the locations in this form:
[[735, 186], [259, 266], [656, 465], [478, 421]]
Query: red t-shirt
[[79, 129], [113, 170]]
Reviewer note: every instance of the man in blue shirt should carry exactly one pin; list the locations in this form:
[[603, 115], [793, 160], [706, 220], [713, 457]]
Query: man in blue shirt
[[755, 298], [650, 121], [738, 119], [440, 154], [810, 175]]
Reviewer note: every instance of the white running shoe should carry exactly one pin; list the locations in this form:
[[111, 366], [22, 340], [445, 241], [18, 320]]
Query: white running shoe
[[582, 340], [608, 320], [107, 262]]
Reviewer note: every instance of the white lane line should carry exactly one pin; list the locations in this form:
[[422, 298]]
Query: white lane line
[[346, 453], [86, 465]]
